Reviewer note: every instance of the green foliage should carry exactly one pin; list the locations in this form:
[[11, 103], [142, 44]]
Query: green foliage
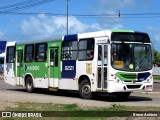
[[156, 56], [156, 77]]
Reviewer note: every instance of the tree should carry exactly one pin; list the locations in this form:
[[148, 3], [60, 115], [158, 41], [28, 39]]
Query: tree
[[156, 56]]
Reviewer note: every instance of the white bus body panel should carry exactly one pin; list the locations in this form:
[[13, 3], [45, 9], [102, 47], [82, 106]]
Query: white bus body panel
[[40, 82], [9, 68], [94, 34], [53, 82], [83, 67], [19, 81], [68, 84]]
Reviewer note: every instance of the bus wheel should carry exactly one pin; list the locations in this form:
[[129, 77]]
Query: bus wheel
[[85, 89], [122, 95], [29, 85]]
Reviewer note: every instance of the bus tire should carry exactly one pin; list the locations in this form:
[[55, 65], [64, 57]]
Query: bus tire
[[29, 85], [122, 95], [85, 89]]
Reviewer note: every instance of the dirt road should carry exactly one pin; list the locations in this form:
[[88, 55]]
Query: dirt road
[[12, 94]]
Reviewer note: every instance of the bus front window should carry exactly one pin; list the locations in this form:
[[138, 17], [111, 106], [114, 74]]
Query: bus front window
[[131, 57]]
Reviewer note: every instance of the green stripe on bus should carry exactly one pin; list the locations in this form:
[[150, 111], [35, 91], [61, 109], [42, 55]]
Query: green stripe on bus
[[123, 31], [126, 76]]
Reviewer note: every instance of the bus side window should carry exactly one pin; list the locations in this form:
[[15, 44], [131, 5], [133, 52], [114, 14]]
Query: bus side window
[[29, 50], [69, 50], [86, 49], [54, 57], [19, 59], [10, 54], [41, 52]]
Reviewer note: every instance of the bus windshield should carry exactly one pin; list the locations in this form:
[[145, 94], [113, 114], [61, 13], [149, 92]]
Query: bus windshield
[[131, 57]]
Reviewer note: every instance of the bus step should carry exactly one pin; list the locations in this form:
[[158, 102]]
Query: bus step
[[53, 89]]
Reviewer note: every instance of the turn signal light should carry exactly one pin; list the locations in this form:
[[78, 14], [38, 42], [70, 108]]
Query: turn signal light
[[148, 86]]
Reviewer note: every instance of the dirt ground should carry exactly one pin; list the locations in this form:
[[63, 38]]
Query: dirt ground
[[4, 105]]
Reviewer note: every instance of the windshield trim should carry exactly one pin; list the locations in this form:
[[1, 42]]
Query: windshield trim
[[130, 42], [130, 36]]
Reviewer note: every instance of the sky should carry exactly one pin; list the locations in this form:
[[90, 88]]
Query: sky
[[46, 19]]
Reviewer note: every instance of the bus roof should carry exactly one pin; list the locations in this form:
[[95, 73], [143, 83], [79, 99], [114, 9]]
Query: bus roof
[[128, 31], [36, 41], [103, 33], [2, 55], [97, 34], [86, 35]]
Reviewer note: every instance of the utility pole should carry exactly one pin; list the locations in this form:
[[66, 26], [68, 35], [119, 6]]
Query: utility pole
[[67, 17], [119, 13]]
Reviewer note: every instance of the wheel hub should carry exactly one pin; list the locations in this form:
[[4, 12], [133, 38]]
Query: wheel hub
[[86, 89], [29, 85]]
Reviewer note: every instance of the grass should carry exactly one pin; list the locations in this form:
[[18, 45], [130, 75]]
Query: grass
[[156, 77], [43, 107], [75, 107], [72, 110]]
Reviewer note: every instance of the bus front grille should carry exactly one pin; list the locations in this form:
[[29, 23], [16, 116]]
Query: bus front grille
[[133, 86]]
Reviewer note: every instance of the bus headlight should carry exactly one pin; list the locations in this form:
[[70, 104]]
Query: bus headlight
[[117, 80], [149, 79]]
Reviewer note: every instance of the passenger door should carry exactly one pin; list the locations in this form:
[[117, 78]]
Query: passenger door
[[54, 66], [19, 66], [102, 66]]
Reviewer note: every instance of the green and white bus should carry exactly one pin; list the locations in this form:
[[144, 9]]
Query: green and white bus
[[111, 61]]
